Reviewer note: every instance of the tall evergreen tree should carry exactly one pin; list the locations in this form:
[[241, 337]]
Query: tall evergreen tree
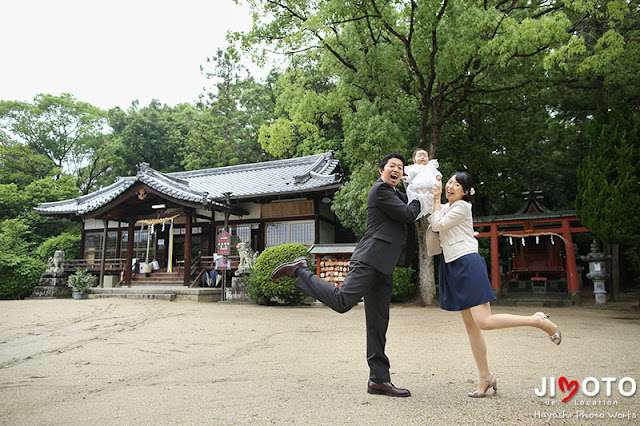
[[608, 200]]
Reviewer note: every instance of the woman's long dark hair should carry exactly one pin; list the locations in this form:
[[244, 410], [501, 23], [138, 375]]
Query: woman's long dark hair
[[465, 179]]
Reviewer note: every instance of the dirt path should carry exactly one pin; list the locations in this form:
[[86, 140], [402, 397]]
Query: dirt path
[[115, 361]]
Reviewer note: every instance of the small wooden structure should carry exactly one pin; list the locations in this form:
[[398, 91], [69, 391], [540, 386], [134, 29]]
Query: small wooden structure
[[543, 243], [332, 261]]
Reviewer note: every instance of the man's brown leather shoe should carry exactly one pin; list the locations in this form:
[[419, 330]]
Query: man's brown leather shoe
[[386, 388], [289, 269]]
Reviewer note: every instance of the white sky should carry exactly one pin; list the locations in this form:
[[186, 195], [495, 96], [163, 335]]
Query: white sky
[[111, 52]]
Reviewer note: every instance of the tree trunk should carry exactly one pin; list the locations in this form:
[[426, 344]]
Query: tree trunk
[[426, 274], [638, 254], [615, 271]]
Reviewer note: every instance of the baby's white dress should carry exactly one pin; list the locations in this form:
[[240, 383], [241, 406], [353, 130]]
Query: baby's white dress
[[421, 177]]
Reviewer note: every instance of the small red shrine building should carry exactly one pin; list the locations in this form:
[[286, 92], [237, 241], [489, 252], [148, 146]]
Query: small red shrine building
[[542, 240]]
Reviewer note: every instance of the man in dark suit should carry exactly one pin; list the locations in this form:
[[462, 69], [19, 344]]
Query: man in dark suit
[[387, 242]]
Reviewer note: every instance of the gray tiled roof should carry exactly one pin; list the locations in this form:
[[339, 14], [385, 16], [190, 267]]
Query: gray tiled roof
[[246, 181]]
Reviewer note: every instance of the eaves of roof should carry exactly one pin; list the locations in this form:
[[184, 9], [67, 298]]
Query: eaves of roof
[[209, 186]]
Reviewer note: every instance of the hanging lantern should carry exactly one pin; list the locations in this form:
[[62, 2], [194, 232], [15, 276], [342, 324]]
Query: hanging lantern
[[537, 239], [523, 242], [552, 242], [510, 241]]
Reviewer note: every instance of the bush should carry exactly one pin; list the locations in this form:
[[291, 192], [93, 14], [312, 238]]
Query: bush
[[20, 270], [404, 284], [81, 280], [19, 274], [67, 242], [261, 289]]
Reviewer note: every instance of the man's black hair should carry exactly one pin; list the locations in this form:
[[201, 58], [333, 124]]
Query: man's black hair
[[387, 157]]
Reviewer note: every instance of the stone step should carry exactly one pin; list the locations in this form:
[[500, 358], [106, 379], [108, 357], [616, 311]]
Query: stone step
[[169, 297], [161, 292]]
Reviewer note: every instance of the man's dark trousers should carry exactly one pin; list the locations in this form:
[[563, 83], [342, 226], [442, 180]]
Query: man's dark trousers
[[376, 288]]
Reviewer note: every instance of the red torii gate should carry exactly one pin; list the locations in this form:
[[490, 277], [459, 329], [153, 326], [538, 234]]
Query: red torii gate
[[533, 224]]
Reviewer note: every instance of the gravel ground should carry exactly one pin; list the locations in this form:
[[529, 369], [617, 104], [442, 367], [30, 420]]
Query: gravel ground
[[117, 361]]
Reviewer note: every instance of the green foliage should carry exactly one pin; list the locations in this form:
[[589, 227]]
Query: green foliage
[[154, 134], [224, 128], [58, 127], [307, 111], [608, 198], [632, 260], [20, 164], [404, 284], [262, 289], [51, 189], [66, 241], [81, 280], [19, 271], [350, 202], [15, 201]]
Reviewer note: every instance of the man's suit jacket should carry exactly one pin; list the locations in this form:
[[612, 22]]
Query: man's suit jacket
[[388, 239]]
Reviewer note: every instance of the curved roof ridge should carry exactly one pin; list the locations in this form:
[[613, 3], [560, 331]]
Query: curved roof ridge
[[120, 181], [251, 166]]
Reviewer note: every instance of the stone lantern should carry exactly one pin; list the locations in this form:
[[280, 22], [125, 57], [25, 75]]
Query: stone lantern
[[597, 272]]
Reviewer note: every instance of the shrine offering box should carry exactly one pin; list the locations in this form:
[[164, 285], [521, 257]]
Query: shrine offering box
[[332, 261]]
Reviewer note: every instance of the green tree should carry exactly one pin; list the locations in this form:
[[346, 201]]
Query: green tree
[[155, 134], [225, 129], [608, 201], [19, 270], [307, 117], [58, 127], [20, 164], [406, 68]]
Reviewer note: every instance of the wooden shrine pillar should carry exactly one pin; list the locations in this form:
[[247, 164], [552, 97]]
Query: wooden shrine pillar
[[129, 263], [103, 258], [187, 250], [495, 261], [572, 271]]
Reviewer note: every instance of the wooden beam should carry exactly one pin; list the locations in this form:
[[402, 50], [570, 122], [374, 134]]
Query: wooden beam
[[131, 233], [187, 251], [495, 261], [104, 253]]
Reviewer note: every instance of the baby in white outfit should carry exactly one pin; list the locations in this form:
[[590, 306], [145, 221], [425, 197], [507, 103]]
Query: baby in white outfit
[[421, 176]]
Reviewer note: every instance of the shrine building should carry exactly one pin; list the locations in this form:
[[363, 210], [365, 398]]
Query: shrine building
[[541, 264], [173, 220]]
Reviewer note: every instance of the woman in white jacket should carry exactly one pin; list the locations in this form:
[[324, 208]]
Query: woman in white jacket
[[463, 279]]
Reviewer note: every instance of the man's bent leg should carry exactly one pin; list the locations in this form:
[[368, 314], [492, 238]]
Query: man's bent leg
[[376, 308], [355, 285]]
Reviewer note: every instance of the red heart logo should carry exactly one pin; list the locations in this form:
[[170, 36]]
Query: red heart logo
[[572, 386]]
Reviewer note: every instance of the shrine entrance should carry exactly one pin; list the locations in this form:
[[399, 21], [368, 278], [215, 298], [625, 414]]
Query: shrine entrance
[[542, 259]]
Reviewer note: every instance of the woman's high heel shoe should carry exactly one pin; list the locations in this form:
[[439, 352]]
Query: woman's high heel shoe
[[491, 384], [555, 338]]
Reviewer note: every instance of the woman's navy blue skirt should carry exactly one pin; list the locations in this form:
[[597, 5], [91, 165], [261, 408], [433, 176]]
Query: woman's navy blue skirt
[[464, 283]]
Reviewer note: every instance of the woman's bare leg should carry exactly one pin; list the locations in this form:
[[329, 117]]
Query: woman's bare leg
[[478, 348], [485, 320]]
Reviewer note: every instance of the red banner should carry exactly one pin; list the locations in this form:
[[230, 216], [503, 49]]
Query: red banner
[[224, 244]]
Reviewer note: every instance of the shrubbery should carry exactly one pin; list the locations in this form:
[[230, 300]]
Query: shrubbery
[[67, 242], [262, 289], [81, 280], [19, 270], [404, 284]]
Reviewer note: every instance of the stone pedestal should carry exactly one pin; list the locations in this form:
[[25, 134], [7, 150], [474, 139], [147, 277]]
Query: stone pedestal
[[52, 285], [237, 292]]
